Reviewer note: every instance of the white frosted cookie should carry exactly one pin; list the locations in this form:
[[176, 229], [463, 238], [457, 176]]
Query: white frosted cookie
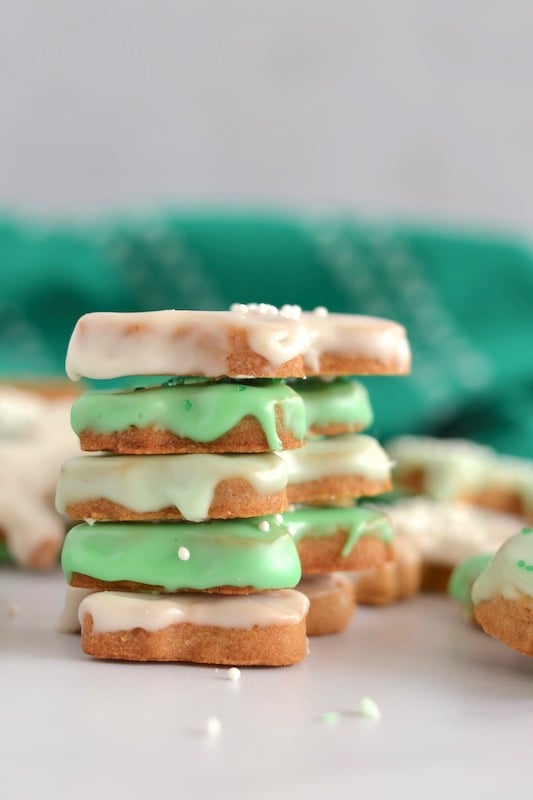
[[35, 438], [395, 580], [337, 468], [331, 602], [195, 487], [266, 629], [502, 595], [243, 342], [352, 344]]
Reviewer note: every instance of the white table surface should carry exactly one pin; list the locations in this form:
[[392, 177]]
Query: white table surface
[[457, 713]]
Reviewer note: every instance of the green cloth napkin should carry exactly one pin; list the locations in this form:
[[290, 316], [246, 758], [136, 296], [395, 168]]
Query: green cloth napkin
[[465, 297]]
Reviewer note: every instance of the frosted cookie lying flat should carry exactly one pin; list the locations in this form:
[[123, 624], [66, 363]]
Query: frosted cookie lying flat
[[195, 487], [200, 417], [331, 602], [233, 556], [238, 343], [337, 468], [35, 438], [398, 579], [339, 539], [351, 344], [257, 630], [447, 533], [334, 407], [502, 595]]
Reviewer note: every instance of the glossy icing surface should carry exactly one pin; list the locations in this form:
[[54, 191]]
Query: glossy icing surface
[[121, 611], [175, 342], [151, 483], [198, 411], [237, 553], [339, 401], [317, 522], [349, 454], [510, 571], [316, 586]]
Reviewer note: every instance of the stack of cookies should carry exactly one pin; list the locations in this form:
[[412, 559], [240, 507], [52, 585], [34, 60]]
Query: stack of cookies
[[182, 555], [338, 465]]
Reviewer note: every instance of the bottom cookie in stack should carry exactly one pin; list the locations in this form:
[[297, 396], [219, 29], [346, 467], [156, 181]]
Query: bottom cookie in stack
[[213, 592]]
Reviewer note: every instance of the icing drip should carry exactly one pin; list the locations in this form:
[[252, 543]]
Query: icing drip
[[349, 454], [199, 411], [221, 553], [463, 577], [151, 483], [119, 611], [340, 401], [510, 571], [321, 522]]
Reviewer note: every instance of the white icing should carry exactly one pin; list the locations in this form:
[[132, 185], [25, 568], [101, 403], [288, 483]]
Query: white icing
[[349, 454], [121, 611], [320, 585], [151, 483], [30, 460], [509, 573], [356, 337], [68, 622], [171, 342], [447, 533]]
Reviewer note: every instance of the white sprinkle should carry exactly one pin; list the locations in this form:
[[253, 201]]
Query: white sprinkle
[[291, 529], [368, 708], [13, 610], [320, 311], [234, 673], [278, 518], [331, 717], [213, 727], [184, 553], [90, 520], [264, 526], [241, 308]]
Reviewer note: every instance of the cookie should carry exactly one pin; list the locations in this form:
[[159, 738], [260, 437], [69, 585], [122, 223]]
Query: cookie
[[239, 343], [35, 438], [230, 556], [398, 579], [194, 487], [336, 539], [463, 577], [502, 595], [258, 630], [350, 344], [199, 417], [447, 533], [336, 469], [335, 406], [331, 602]]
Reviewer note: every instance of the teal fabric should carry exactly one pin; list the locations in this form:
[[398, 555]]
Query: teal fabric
[[465, 297]]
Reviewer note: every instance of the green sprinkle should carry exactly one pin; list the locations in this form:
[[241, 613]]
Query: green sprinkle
[[520, 563], [526, 531], [331, 717], [187, 405], [241, 388], [368, 708]]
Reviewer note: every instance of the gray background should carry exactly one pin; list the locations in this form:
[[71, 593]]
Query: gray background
[[414, 109]]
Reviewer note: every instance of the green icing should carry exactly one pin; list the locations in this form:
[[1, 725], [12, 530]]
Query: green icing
[[342, 401], [201, 411], [221, 553], [5, 555], [323, 521], [463, 577]]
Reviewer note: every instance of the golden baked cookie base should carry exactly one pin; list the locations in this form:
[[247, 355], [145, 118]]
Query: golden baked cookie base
[[325, 554], [393, 581], [80, 581], [335, 489], [510, 621], [332, 364], [243, 362], [246, 437], [233, 498], [331, 611], [334, 429], [43, 557], [272, 646]]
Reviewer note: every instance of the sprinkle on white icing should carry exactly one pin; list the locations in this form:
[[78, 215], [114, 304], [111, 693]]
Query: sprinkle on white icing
[[184, 553], [510, 572], [447, 533], [233, 673], [264, 525], [124, 611], [150, 483], [349, 454]]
